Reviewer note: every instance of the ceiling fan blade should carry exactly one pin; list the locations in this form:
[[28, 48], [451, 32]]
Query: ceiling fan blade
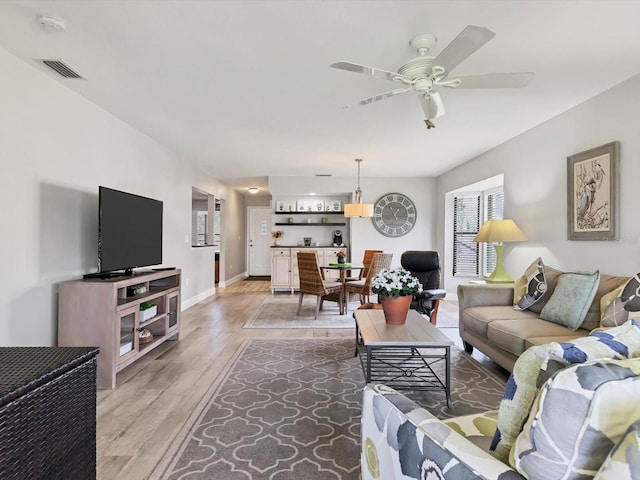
[[467, 42], [495, 80], [381, 96], [374, 72], [432, 105]]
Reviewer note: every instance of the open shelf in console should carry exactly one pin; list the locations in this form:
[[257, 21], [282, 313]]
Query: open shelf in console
[[102, 313]]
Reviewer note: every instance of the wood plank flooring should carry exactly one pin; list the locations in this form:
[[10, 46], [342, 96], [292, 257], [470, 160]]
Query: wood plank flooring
[[154, 397]]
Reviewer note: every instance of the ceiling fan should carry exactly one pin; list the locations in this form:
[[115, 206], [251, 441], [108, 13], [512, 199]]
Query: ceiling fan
[[425, 73]]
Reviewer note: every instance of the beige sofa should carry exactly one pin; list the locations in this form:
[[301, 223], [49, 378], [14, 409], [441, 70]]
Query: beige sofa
[[489, 322]]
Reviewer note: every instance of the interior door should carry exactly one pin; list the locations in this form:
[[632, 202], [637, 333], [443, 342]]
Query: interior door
[[259, 241]]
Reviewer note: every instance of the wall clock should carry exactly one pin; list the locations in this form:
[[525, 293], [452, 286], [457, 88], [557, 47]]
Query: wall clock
[[394, 215]]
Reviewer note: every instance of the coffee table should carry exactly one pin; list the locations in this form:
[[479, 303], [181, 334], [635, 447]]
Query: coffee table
[[403, 356]]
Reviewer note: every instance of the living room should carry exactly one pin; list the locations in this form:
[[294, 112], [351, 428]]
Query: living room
[[58, 147]]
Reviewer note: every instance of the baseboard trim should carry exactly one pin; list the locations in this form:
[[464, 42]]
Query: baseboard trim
[[190, 302]]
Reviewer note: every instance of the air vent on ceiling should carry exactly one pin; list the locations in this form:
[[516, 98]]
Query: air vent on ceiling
[[62, 69]]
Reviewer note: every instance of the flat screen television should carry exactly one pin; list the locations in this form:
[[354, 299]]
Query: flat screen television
[[129, 231]]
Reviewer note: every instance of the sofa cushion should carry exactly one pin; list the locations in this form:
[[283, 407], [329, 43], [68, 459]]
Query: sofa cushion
[[533, 341], [477, 319], [538, 363], [551, 277], [616, 305], [578, 416], [623, 462], [511, 335], [612, 309], [530, 287], [571, 299], [607, 283]]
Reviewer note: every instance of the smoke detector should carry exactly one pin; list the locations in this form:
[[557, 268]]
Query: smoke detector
[[49, 23]]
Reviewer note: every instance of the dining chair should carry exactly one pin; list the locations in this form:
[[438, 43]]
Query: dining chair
[[363, 287], [312, 282], [366, 261]]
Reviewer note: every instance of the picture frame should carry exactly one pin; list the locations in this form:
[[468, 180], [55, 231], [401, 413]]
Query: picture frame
[[281, 206], [301, 205], [334, 205], [318, 205], [593, 193]]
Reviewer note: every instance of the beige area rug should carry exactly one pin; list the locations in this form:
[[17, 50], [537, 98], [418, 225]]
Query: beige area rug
[[289, 409], [279, 311]]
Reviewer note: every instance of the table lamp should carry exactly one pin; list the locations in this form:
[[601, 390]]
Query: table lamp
[[498, 232]]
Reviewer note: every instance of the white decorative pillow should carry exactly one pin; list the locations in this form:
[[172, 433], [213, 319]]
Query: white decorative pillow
[[578, 416], [530, 287], [571, 299]]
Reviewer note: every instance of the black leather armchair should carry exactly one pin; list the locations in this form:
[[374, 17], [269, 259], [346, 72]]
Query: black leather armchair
[[425, 265]]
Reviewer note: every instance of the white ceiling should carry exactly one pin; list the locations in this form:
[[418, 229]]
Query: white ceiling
[[244, 88]]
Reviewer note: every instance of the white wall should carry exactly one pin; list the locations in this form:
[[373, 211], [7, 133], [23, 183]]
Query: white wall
[[535, 186], [422, 191], [56, 149]]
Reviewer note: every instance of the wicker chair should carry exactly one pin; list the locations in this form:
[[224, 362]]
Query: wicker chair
[[366, 261], [363, 287], [312, 282]]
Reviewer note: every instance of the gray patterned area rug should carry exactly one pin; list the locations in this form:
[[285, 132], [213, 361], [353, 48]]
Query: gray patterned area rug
[[290, 409], [280, 312]]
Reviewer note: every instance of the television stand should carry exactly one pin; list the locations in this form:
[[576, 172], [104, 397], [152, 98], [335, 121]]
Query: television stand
[[104, 313]]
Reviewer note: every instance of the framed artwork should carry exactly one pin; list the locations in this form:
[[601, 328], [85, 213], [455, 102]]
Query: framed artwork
[[592, 193], [318, 205], [281, 206], [334, 205], [301, 205]]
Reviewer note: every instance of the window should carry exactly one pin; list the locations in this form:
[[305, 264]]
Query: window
[[470, 211], [493, 210], [466, 223]]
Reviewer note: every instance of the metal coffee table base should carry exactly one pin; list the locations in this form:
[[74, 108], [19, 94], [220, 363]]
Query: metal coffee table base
[[407, 368]]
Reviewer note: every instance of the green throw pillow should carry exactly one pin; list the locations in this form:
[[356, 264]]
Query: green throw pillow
[[571, 299]]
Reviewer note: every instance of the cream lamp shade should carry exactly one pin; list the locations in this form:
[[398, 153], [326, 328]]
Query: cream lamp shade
[[358, 209], [498, 232]]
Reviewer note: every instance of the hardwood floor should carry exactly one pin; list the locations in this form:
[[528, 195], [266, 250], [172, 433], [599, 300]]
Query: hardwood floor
[[138, 420]]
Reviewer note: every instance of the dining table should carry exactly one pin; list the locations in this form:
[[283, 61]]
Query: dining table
[[343, 268]]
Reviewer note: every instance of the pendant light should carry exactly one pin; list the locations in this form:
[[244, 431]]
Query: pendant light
[[358, 209]]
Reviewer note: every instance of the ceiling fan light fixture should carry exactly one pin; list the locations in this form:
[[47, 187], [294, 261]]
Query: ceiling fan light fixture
[[358, 209]]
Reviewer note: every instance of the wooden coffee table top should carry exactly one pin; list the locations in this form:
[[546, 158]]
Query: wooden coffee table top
[[416, 332]]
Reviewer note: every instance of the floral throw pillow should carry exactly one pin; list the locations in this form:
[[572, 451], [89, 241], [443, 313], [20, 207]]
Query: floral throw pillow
[[616, 305], [535, 286]]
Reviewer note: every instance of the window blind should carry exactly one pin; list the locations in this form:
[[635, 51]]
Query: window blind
[[466, 223], [494, 210]]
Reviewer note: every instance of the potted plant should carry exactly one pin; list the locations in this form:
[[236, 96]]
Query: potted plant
[[342, 255], [277, 235], [395, 290], [147, 310]]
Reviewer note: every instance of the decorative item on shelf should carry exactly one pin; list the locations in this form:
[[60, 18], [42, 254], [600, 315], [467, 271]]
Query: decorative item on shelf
[[358, 209], [307, 241], [323, 220], [395, 290], [144, 336], [342, 255], [277, 235], [319, 205], [290, 220], [498, 232], [280, 206], [147, 311], [134, 290]]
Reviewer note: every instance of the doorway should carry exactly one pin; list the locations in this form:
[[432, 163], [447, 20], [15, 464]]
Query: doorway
[[259, 241]]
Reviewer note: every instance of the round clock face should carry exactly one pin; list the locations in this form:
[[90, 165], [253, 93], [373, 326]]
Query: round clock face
[[394, 215]]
